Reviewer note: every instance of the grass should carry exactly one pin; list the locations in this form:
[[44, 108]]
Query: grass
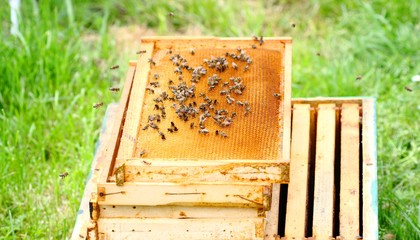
[[52, 73]]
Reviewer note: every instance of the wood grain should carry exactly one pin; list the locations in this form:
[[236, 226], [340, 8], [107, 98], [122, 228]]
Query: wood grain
[[349, 180], [324, 172]]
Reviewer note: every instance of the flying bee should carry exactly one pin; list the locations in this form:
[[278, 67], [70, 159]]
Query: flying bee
[[141, 52], [114, 89], [98, 105], [277, 95], [150, 60], [318, 54], [114, 67], [234, 66], [162, 135], [203, 131], [64, 175], [359, 77], [171, 14], [408, 88], [261, 41], [293, 25]]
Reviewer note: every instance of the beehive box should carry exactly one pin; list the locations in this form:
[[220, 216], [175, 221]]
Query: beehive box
[[342, 169], [193, 186], [219, 183]]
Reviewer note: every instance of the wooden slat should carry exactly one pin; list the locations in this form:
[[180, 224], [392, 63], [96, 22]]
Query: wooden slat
[[224, 195], [135, 105], [349, 180], [224, 228], [176, 212], [111, 145], [205, 171], [286, 81], [369, 168], [296, 214], [324, 172]]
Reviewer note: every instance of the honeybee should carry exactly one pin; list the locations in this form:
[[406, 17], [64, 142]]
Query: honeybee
[[64, 175], [141, 52], [150, 60], [253, 46], [246, 68], [408, 88], [223, 134], [98, 105], [261, 41], [234, 66], [142, 153], [114, 89], [293, 25], [277, 95], [359, 77], [171, 14], [203, 131], [255, 38], [192, 125], [162, 135], [192, 51], [114, 67], [156, 76]]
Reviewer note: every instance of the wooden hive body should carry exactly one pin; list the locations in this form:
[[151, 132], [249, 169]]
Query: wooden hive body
[[190, 186]]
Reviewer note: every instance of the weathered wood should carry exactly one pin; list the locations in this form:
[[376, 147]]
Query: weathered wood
[[349, 180], [369, 169], [144, 170], [82, 219], [324, 172], [284, 149], [224, 228], [176, 212], [238, 195], [296, 217], [105, 166], [135, 105]]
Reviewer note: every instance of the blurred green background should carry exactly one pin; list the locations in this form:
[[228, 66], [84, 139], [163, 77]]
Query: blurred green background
[[56, 67]]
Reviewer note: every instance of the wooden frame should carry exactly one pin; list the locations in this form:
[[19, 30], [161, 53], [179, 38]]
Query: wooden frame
[[343, 196]]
